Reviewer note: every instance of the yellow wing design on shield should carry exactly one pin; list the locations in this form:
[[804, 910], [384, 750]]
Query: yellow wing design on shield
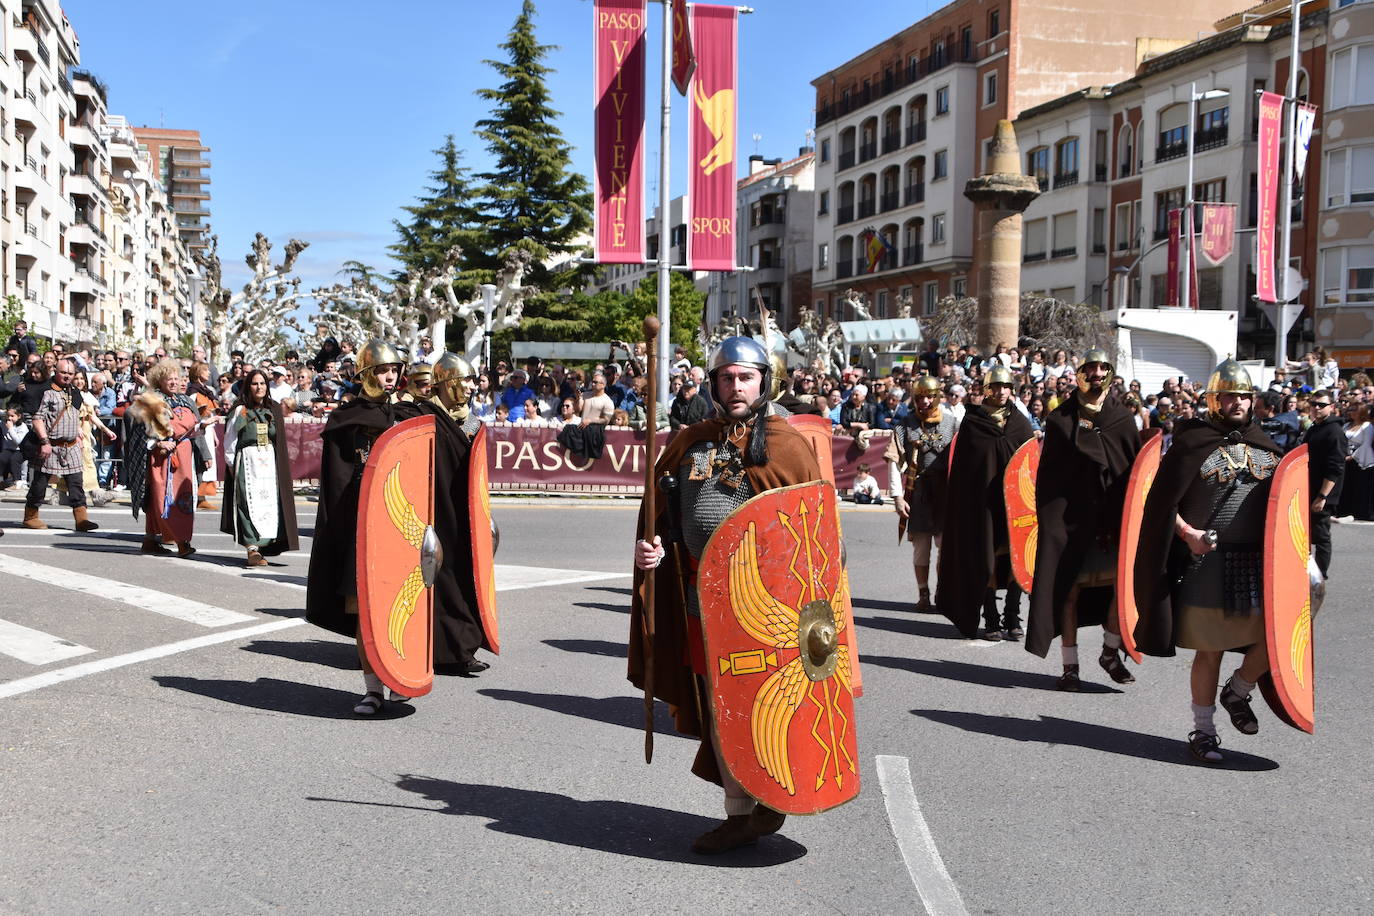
[[400, 510], [403, 608], [774, 706], [762, 616]]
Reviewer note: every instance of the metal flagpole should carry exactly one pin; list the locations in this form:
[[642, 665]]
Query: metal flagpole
[[1286, 295], [1187, 295], [664, 214]]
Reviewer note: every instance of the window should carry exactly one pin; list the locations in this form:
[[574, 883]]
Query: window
[[1066, 162], [937, 229], [1164, 202], [990, 88], [1173, 133], [825, 150], [942, 101], [1064, 294], [932, 298], [823, 255], [1350, 176], [994, 23], [1034, 239], [1038, 166], [941, 165], [960, 287], [824, 206], [1124, 231], [1209, 287], [1352, 76], [1125, 148], [1099, 230], [882, 304], [1065, 241], [1348, 275]]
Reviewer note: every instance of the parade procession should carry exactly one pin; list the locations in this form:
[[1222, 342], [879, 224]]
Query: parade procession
[[634, 524]]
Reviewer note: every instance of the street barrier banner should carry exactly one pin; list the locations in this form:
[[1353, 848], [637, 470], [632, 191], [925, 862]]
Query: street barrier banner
[[1218, 232], [711, 145], [684, 58], [619, 69], [1270, 116], [530, 458]]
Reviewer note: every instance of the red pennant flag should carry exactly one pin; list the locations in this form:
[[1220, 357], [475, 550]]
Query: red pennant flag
[[1271, 114], [684, 58], [619, 125], [1218, 232], [1171, 270], [711, 139]]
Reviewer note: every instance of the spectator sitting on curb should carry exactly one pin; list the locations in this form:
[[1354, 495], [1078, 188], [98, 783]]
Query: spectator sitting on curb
[[866, 487]]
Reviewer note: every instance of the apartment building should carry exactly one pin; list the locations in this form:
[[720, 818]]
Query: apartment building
[[1112, 162], [183, 166], [775, 206], [88, 241], [1344, 313], [901, 127]]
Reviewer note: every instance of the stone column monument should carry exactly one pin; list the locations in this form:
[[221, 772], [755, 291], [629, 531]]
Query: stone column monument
[[999, 197]]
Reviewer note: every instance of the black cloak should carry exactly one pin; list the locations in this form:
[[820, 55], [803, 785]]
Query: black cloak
[[975, 522], [1161, 556], [1080, 492], [288, 537]]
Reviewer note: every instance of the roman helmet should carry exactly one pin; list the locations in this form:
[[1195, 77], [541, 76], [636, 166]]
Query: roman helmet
[[421, 374], [1228, 378], [451, 378], [998, 375], [779, 375], [927, 385], [375, 354], [741, 351], [1094, 355]]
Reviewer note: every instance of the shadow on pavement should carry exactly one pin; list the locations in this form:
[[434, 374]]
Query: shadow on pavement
[[274, 695], [612, 589], [1053, 730], [622, 828], [911, 626], [331, 654], [986, 675], [626, 711], [598, 606], [590, 646]]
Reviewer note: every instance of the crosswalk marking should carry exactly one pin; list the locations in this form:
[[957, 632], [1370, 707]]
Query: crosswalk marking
[[35, 646], [147, 599]]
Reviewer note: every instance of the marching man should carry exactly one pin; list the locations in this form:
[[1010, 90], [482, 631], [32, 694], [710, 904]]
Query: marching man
[[918, 444]]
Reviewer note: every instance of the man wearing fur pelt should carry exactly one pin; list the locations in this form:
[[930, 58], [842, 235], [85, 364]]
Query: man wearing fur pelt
[[163, 484]]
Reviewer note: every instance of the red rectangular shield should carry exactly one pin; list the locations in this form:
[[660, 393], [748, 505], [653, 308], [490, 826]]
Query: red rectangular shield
[[1218, 232], [483, 531], [684, 58], [397, 557], [619, 73], [1132, 514], [1270, 116], [1023, 528], [1287, 593], [711, 141]]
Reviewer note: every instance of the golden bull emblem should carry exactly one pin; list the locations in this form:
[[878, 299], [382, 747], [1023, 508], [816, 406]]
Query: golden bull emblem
[[718, 111]]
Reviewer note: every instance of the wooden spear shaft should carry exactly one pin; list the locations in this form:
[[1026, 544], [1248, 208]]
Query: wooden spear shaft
[[651, 326]]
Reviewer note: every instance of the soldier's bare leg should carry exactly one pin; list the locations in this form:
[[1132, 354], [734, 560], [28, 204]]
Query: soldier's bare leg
[[745, 819], [920, 554], [371, 702], [1202, 740], [1068, 641], [1110, 659], [1235, 695]]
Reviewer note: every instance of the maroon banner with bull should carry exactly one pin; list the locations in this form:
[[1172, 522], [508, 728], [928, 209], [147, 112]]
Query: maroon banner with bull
[[530, 458]]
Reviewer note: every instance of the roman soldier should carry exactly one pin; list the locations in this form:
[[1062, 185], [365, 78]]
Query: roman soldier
[[975, 548], [419, 382], [707, 471], [1089, 446], [1198, 572], [918, 469], [331, 599]]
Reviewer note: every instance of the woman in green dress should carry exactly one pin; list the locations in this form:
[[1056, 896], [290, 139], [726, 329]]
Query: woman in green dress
[[259, 503]]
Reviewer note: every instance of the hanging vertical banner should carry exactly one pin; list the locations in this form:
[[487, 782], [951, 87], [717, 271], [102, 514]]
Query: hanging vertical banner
[[1307, 120], [1171, 268], [711, 139], [619, 69], [1218, 232], [1270, 117], [684, 58]]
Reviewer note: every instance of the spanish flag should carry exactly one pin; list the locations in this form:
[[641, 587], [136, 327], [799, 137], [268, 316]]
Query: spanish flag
[[877, 247]]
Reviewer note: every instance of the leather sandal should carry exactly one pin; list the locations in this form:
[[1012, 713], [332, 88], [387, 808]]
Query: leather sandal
[[1069, 680], [734, 832], [1110, 660], [763, 820], [153, 549], [1205, 747], [1238, 707], [369, 705]]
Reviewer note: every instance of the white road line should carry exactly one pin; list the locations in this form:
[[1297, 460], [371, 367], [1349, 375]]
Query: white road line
[[514, 578], [173, 606], [49, 678], [937, 890], [35, 646]]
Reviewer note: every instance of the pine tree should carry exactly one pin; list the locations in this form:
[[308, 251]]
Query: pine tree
[[445, 216], [529, 195]]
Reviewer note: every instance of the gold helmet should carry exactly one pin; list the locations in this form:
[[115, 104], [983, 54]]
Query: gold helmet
[[927, 384], [422, 373], [779, 380], [451, 374], [1094, 355], [998, 375], [375, 354], [1228, 378]]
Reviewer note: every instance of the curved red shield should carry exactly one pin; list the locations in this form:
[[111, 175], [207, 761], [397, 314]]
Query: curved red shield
[[771, 588], [1143, 473], [483, 542], [1287, 592], [396, 557], [1023, 527], [820, 435]]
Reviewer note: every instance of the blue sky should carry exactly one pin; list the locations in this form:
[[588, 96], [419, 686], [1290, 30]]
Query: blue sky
[[322, 116]]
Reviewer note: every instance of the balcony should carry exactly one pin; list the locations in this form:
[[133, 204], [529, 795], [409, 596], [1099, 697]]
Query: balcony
[[83, 184], [1064, 252], [844, 215], [1101, 172], [1042, 182], [1212, 138], [25, 110], [1033, 256], [912, 255], [25, 180], [770, 260], [191, 163], [1066, 179], [1099, 247], [890, 201], [81, 135], [83, 233], [892, 142], [915, 193], [759, 218], [915, 133], [1166, 151], [1125, 170], [844, 270], [867, 208], [901, 78], [868, 151], [1161, 233], [190, 207], [24, 43], [846, 160]]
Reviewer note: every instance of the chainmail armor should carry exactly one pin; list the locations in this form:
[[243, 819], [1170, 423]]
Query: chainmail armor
[[706, 500]]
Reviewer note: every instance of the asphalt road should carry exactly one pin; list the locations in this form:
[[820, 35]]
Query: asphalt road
[[160, 755]]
